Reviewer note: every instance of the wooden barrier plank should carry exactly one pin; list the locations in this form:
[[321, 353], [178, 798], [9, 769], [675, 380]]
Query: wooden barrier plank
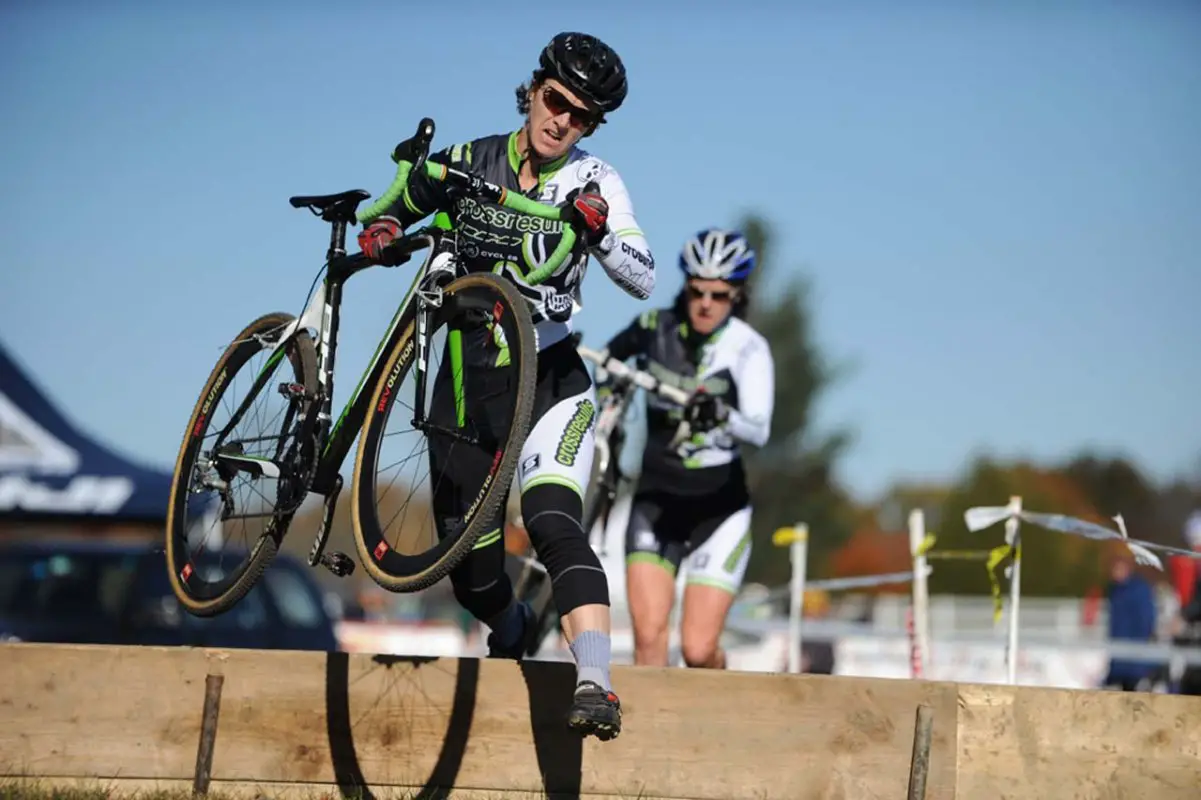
[[496, 725], [118, 787], [83, 711], [490, 725], [1077, 745], [293, 720]]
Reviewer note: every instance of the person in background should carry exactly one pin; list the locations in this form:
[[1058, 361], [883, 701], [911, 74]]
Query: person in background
[[1186, 630], [817, 655], [1131, 618], [1186, 571], [692, 505]]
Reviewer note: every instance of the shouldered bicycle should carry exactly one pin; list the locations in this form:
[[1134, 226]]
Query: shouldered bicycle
[[302, 449]]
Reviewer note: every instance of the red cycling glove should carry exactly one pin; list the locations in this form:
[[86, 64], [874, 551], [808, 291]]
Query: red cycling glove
[[378, 235], [590, 210]]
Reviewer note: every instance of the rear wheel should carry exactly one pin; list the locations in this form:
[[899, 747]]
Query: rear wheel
[[488, 328], [231, 484]]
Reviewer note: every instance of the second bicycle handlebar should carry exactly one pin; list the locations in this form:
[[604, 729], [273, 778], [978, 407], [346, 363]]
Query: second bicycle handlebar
[[635, 376], [412, 154]]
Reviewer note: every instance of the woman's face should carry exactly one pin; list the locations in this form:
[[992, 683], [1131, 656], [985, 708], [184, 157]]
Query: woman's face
[[557, 119], [709, 303]]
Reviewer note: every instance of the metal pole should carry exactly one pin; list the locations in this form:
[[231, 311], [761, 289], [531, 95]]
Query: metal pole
[[921, 593], [1013, 537]]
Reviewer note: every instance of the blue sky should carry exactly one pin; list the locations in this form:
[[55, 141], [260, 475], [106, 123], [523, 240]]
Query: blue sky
[[998, 204]]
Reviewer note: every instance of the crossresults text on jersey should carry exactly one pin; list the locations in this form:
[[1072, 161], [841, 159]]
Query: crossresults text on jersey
[[496, 239]]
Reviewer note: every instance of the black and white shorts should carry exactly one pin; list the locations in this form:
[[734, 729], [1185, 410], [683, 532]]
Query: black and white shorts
[[709, 534]]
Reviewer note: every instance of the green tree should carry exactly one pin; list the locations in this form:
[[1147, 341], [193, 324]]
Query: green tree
[[1156, 513], [1116, 486], [1053, 564], [791, 477]]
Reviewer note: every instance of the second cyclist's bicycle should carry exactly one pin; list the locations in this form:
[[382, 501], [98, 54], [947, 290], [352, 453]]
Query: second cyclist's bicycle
[[611, 435], [258, 478]]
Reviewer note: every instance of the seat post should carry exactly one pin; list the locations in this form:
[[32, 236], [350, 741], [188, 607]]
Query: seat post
[[337, 240]]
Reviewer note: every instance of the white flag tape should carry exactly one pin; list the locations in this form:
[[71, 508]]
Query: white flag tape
[[983, 517]]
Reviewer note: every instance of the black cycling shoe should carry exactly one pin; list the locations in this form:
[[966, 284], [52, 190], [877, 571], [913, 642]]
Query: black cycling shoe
[[516, 650], [595, 711]]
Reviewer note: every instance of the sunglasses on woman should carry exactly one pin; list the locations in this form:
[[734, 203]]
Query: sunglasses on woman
[[557, 103], [717, 295]]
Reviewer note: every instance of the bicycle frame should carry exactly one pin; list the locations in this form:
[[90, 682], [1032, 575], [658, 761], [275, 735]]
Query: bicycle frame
[[608, 422], [321, 316], [609, 439]]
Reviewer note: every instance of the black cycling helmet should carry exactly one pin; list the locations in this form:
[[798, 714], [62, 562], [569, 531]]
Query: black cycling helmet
[[588, 67]]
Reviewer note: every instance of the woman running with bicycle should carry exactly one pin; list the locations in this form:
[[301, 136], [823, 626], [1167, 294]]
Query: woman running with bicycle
[[692, 501], [579, 80]]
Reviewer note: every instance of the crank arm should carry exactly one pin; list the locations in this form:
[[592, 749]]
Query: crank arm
[[327, 519]]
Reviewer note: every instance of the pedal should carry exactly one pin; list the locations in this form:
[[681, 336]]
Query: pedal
[[338, 563], [327, 519]]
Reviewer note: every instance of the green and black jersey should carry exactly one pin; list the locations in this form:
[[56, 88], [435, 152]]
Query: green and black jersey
[[495, 239]]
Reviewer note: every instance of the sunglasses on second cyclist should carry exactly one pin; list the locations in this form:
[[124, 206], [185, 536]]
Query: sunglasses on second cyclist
[[716, 295], [557, 103]]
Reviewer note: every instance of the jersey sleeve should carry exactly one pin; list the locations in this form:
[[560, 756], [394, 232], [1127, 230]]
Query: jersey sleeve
[[422, 194], [624, 252], [751, 420]]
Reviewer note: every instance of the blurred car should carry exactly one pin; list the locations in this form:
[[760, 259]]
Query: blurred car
[[102, 592]]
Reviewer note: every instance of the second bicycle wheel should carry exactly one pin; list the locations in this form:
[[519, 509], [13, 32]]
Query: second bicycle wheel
[[479, 397], [604, 478], [239, 434]]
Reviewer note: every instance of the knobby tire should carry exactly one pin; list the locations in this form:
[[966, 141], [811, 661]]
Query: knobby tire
[[365, 523], [302, 355]]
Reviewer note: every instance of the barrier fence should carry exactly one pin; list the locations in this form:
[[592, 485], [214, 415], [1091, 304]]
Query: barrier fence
[[1008, 554], [304, 724]]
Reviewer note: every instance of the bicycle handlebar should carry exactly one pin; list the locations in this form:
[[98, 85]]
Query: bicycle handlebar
[[412, 154], [634, 376]]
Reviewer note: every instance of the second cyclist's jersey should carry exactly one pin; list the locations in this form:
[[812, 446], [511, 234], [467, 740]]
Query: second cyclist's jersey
[[735, 364], [494, 239]]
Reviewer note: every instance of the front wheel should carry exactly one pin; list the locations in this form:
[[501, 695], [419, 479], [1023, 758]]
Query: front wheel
[[218, 545], [471, 437], [605, 476]]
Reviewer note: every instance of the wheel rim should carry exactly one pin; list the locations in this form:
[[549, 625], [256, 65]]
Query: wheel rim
[[402, 540], [209, 554]]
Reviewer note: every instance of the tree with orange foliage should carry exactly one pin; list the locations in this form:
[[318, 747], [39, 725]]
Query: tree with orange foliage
[[871, 551]]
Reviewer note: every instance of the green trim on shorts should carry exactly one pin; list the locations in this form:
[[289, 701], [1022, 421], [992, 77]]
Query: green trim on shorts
[[702, 581], [736, 554], [557, 480], [652, 558]]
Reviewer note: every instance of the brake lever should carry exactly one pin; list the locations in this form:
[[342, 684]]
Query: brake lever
[[416, 148]]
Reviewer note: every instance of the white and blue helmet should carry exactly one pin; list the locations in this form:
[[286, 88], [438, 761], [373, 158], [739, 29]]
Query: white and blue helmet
[[718, 254]]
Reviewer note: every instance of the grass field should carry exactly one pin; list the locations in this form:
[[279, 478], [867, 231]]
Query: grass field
[[13, 790]]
